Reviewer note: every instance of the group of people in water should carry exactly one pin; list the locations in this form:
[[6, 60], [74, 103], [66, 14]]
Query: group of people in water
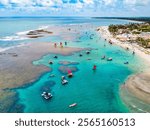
[[60, 44]]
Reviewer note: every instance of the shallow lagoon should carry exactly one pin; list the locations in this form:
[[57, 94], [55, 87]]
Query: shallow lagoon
[[93, 91]]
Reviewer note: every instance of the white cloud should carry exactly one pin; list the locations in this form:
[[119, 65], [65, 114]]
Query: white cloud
[[4, 2], [88, 1], [109, 2], [136, 2], [100, 6], [85, 4], [56, 5], [21, 3], [49, 3], [79, 5], [73, 6]]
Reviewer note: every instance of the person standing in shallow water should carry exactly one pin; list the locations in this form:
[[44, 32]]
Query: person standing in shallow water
[[66, 43], [94, 67], [61, 45], [55, 45]]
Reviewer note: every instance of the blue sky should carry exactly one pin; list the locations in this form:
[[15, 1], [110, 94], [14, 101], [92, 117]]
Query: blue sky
[[99, 8]]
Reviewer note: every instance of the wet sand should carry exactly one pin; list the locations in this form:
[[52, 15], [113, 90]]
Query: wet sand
[[139, 86], [16, 66], [136, 92]]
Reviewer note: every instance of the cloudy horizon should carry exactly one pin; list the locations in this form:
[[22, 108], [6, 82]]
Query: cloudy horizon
[[95, 8]]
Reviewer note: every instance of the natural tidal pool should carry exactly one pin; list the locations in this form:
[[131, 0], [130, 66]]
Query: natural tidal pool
[[93, 91]]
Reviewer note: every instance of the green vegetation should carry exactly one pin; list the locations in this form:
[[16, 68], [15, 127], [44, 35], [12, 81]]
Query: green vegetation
[[136, 32], [134, 28], [143, 19], [144, 43], [113, 29]]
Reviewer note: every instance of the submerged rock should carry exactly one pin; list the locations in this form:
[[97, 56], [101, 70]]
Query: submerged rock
[[17, 108], [40, 31], [64, 69], [7, 105], [36, 36], [47, 86]]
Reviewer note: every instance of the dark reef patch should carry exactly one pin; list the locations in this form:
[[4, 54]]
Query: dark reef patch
[[10, 106], [47, 86]]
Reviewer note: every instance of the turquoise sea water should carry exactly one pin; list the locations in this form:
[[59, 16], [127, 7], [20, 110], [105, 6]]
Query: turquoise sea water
[[9, 27], [93, 91]]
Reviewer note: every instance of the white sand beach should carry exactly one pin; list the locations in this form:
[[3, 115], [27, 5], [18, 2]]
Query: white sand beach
[[142, 52], [137, 86]]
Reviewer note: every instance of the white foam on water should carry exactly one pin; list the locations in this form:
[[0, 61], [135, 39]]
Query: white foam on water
[[21, 35], [7, 48], [13, 38], [44, 27], [134, 106]]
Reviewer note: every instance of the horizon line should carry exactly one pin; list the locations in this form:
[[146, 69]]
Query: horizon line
[[74, 16]]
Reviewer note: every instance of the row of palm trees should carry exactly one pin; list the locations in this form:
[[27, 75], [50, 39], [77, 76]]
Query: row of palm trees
[[135, 28], [132, 28], [144, 43]]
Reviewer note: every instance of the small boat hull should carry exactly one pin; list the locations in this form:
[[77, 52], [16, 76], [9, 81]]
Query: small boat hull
[[72, 105], [70, 75], [109, 59], [64, 82]]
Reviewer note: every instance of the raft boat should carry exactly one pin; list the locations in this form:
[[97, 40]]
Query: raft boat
[[46, 95]]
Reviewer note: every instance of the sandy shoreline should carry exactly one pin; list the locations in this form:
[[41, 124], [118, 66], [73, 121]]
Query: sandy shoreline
[[140, 51], [136, 91], [139, 85]]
